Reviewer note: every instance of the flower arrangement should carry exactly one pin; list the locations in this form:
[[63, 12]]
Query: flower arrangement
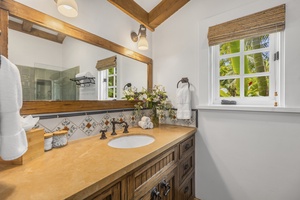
[[156, 99]]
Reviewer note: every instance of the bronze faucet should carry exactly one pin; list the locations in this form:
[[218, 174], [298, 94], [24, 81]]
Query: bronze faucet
[[113, 122]]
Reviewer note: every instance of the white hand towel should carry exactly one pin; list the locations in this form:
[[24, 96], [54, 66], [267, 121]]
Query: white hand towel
[[13, 141], [183, 100], [145, 119], [150, 125], [143, 125]]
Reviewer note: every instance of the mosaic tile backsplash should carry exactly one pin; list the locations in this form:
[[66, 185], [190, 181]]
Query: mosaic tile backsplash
[[90, 124]]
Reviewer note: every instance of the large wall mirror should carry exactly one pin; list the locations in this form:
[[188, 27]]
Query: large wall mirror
[[48, 65], [49, 68]]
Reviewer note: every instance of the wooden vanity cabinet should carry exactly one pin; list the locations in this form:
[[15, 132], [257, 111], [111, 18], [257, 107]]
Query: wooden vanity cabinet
[[172, 170], [170, 175]]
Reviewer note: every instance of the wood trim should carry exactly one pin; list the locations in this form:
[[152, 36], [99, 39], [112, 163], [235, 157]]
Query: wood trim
[[15, 9], [164, 10], [4, 32], [150, 74], [46, 107]]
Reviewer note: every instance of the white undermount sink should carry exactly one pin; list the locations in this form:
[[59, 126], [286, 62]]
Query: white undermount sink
[[131, 141]]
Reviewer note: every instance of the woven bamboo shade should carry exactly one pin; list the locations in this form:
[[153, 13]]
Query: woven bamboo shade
[[265, 22], [107, 63]]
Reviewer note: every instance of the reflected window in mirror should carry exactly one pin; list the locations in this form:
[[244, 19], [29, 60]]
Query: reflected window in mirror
[[108, 84]]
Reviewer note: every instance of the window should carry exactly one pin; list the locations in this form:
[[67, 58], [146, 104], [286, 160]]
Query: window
[[107, 76], [112, 83], [245, 70], [108, 84], [245, 65]]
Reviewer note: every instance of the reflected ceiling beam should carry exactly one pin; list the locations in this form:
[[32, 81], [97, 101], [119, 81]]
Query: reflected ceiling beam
[[34, 32], [27, 26], [61, 37], [155, 17]]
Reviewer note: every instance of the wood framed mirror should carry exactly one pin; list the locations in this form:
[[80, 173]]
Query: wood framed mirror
[[18, 10]]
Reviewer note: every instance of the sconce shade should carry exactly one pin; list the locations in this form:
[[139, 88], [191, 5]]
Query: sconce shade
[[143, 43], [68, 8]]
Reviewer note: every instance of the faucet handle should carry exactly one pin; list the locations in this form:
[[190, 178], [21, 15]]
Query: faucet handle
[[103, 136], [126, 128]]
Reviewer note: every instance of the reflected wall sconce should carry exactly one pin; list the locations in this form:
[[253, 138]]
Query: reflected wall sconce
[[142, 41], [127, 86], [67, 8]]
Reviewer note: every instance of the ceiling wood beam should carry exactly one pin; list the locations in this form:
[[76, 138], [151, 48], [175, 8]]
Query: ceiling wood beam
[[134, 10], [34, 32], [164, 10], [155, 17]]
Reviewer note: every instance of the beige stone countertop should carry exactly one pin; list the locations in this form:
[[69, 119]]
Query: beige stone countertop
[[76, 170]]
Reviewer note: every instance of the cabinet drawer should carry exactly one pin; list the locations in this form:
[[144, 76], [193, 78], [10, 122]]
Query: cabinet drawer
[[186, 166], [187, 190], [186, 147]]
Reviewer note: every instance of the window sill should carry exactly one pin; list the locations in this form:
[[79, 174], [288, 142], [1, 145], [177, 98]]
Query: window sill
[[250, 108]]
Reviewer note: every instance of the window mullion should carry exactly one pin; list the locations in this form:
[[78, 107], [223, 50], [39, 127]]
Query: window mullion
[[242, 70]]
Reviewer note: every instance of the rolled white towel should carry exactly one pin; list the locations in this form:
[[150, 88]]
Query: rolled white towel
[[86, 74], [150, 125], [143, 125], [146, 119]]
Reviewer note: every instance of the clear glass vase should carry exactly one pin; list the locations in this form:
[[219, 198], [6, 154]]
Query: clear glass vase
[[154, 117]]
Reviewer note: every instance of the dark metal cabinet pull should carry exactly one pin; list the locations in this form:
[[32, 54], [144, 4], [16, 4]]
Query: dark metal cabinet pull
[[187, 146], [186, 189], [167, 187], [155, 194], [186, 166]]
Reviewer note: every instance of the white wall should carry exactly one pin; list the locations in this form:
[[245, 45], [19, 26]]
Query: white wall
[[239, 154]]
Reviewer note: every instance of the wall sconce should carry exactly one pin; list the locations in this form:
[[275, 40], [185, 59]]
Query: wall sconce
[[67, 8], [142, 43]]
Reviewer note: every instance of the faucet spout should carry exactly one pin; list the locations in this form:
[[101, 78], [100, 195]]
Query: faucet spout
[[113, 122]]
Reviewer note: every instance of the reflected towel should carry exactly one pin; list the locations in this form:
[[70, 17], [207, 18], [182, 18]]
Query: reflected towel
[[183, 100], [13, 141], [86, 74]]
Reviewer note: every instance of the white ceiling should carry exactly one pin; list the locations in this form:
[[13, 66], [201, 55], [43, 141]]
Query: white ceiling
[[148, 5]]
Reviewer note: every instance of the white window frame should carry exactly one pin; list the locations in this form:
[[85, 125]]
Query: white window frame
[[275, 74], [103, 85]]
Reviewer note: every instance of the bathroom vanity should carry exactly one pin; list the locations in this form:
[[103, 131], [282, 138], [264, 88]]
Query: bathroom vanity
[[90, 169]]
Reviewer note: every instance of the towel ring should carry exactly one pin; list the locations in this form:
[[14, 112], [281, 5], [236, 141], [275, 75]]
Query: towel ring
[[184, 80]]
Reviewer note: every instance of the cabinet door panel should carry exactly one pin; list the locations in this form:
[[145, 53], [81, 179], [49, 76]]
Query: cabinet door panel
[[169, 178], [112, 193]]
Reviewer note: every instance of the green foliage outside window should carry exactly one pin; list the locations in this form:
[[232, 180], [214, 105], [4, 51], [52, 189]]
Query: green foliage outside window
[[255, 63]]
